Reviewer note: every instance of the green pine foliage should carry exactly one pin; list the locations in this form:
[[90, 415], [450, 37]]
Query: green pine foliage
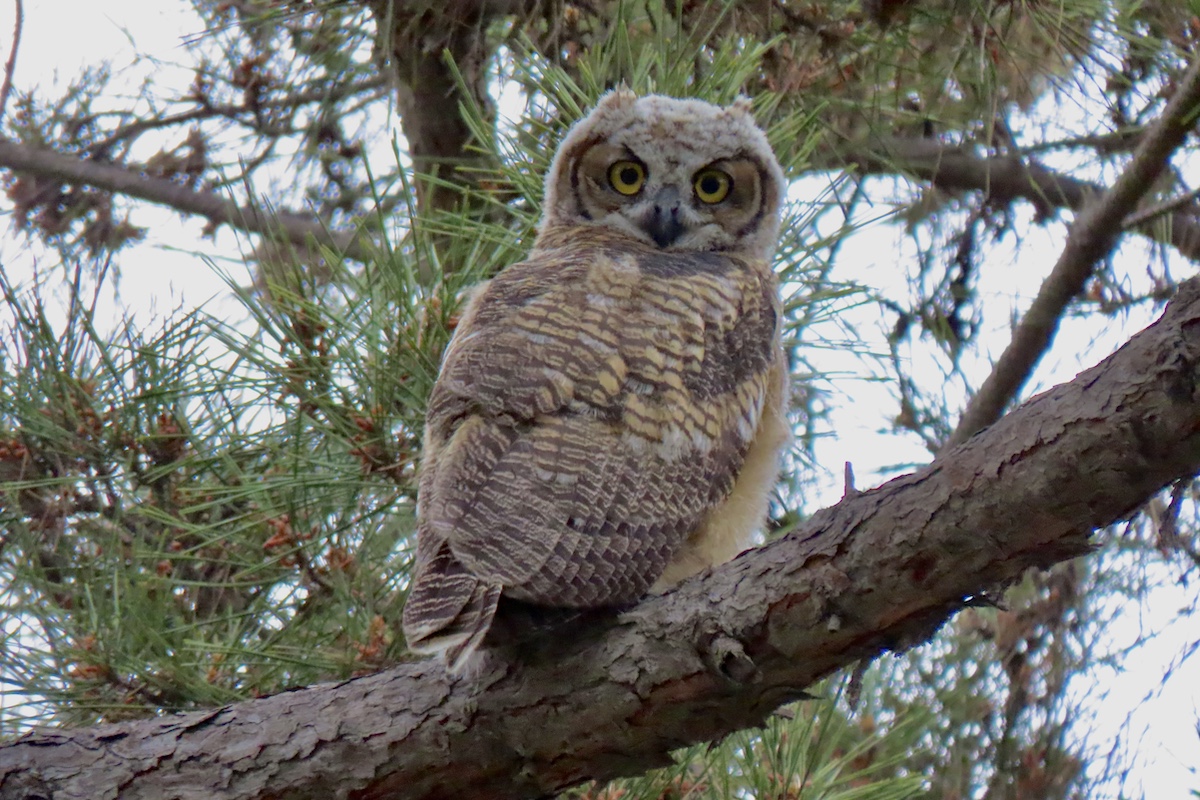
[[816, 750]]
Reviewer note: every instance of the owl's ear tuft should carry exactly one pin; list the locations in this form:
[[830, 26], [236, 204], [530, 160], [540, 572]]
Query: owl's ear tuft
[[620, 97], [743, 106]]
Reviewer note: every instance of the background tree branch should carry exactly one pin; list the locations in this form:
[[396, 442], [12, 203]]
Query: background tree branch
[[882, 570], [439, 56], [1007, 178], [295, 228], [1092, 237]]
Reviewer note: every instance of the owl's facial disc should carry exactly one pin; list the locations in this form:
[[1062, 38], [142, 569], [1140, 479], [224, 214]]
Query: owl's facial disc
[[677, 204], [616, 169]]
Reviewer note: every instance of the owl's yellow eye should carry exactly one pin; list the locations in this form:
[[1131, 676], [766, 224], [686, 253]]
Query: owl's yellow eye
[[712, 185], [627, 177]]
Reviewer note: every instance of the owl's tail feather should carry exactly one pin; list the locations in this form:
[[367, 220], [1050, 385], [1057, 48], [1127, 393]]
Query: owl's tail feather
[[449, 614], [474, 621]]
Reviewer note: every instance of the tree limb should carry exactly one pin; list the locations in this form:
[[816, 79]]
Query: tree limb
[[1092, 237], [292, 227], [1008, 178], [881, 570]]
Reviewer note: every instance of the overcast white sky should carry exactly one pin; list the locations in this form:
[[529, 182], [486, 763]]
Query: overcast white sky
[[62, 36]]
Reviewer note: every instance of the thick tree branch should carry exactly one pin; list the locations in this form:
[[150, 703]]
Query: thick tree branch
[[294, 228], [881, 570], [1092, 237]]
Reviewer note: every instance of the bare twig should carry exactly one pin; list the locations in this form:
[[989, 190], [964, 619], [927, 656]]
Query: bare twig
[[289, 226], [848, 488], [1118, 141], [373, 87], [1091, 238], [1140, 218], [11, 65]]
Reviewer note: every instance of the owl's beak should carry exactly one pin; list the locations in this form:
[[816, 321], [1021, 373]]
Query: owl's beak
[[662, 220]]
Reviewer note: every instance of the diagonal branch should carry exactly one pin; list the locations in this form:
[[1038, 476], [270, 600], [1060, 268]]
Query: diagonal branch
[[294, 228], [1092, 237], [881, 570]]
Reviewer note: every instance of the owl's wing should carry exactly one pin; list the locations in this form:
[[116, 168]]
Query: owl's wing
[[586, 417]]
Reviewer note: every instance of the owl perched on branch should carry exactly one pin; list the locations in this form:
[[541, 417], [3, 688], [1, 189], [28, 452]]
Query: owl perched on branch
[[610, 412]]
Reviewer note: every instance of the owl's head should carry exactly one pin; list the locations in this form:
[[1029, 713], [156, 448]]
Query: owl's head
[[682, 175]]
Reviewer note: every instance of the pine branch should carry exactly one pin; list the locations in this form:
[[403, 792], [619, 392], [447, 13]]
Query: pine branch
[[882, 570], [295, 228]]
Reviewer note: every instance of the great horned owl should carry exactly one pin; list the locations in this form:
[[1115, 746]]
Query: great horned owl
[[610, 411]]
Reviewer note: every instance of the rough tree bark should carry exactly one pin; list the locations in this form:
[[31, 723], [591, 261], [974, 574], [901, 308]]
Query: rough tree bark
[[881, 570]]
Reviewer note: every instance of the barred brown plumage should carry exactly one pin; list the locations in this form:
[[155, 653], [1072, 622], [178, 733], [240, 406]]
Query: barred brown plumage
[[609, 412]]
